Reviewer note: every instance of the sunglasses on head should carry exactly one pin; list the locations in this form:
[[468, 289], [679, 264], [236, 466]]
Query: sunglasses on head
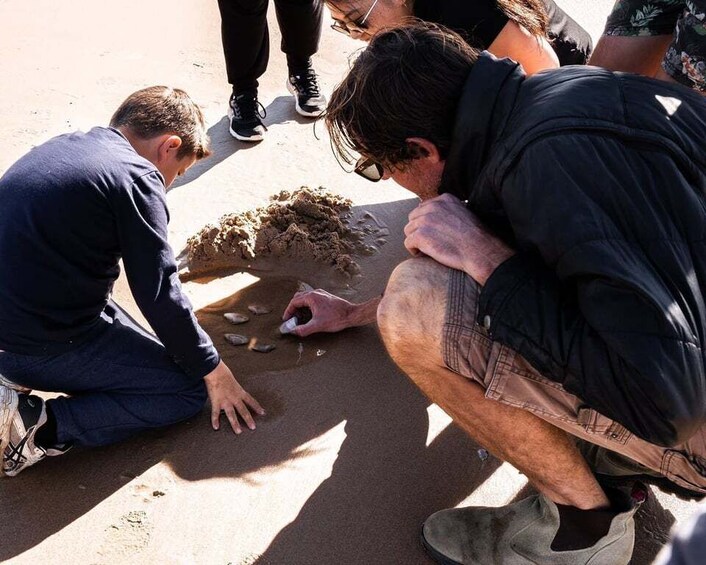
[[369, 169], [353, 27]]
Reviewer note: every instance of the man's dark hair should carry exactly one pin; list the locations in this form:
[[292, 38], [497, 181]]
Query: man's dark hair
[[157, 110], [407, 83]]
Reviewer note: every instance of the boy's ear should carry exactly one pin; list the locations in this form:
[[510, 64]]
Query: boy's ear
[[420, 148], [170, 144]]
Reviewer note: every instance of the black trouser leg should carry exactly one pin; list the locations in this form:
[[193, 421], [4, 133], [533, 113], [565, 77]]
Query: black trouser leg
[[246, 41], [300, 24]]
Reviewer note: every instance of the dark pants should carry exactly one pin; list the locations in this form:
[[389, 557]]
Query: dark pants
[[246, 38], [119, 383]]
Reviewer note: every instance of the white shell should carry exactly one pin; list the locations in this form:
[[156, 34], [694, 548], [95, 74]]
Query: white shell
[[235, 318], [236, 339], [259, 310], [288, 326]]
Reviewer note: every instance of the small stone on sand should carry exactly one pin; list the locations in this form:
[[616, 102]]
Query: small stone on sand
[[235, 317], [236, 339], [259, 310], [262, 347]]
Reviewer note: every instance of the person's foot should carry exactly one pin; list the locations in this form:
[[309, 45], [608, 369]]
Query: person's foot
[[245, 114], [304, 86], [22, 415], [522, 533]]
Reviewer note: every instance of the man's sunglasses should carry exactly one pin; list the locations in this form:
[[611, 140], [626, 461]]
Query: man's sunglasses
[[369, 169], [354, 27]]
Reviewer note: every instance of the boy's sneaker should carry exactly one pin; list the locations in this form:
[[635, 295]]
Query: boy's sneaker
[[304, 86], [245, 114], [21, 417]]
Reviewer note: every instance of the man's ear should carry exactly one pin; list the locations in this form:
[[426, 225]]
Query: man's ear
[[169, 146], [420, 148]]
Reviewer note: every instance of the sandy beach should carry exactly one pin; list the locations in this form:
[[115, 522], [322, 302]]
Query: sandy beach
[[350, 458]]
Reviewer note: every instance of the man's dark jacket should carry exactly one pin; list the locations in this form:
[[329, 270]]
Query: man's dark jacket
[[599, 181]]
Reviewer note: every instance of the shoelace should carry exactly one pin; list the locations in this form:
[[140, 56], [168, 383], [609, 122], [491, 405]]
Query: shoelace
[[307, 82], [248, 109]]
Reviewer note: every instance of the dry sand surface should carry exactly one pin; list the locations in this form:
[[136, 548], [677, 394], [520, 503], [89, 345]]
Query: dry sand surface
[[350, 458]]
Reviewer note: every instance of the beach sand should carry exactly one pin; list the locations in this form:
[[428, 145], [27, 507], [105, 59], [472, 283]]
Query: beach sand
[[350, 458]]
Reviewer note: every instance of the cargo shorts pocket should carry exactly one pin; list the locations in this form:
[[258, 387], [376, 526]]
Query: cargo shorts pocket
[[513, 381], [688, 471]]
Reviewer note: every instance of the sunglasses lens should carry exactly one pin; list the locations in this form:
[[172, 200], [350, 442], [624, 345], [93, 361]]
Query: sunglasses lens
[[369, 170], [340, 27]]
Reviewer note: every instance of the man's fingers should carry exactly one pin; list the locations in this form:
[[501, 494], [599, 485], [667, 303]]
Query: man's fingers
[[306, 329], [297, 301]]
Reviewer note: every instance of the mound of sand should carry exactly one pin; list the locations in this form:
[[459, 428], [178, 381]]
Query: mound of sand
[[307, 224]]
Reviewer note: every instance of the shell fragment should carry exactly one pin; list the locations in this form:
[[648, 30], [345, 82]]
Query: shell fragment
[[288, 326], [259, 310], [236, 339], [262, 347], [235, 318]]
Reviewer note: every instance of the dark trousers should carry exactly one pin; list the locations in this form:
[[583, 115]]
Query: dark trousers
[[119, 383], [246, 38]]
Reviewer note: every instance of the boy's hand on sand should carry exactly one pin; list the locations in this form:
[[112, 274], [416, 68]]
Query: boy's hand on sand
[[226, 395]]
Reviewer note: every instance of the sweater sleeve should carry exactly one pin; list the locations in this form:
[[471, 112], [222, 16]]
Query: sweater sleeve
[[150, 266], [585, 304]]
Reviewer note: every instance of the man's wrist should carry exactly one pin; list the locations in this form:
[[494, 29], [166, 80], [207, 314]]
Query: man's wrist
[[481, 271], [364, 313]]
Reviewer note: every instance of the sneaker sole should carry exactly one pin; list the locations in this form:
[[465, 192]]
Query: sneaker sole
[[236, 135], [298, 108], [435, 555], [8, 408]]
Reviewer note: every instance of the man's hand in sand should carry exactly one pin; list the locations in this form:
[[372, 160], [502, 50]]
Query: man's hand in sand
[[226, 395], [329, 313], [448, 232]]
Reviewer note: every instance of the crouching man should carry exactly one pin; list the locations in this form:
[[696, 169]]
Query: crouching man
[[562, 304], [70, 210]]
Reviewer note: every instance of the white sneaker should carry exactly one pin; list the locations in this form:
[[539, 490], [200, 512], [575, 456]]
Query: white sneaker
[[22, 416]]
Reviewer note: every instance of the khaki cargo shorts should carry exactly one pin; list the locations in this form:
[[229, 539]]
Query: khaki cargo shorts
[[508, 378]]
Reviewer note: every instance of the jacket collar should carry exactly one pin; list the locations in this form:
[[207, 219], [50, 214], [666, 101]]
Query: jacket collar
[[487, 99]]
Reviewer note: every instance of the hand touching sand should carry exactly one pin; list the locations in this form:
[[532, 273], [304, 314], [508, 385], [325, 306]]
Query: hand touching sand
[[226, 395], [330, 313]]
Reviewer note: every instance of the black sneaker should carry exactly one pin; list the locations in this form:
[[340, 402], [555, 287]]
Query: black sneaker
[[245, 114], [304, 86]]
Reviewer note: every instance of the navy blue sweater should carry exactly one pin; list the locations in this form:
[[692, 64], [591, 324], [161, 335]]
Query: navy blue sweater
[[69, 211]]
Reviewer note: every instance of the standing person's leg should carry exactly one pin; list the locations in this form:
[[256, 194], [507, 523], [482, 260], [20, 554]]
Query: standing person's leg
[[246, 47], [427, 320], [636, 36], [300, 23], [120, 383]]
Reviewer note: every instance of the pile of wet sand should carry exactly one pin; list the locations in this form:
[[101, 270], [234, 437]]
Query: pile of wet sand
[[306, 224]]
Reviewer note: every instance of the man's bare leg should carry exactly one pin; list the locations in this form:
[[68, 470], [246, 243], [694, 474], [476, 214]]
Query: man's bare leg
[[634, 54], [410, 318]]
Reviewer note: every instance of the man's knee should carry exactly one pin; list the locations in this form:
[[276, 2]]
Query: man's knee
[[411, 313]]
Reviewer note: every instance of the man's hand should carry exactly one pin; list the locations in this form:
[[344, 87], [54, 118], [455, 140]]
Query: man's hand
[[329, 313], [226, 395], [448, 232]]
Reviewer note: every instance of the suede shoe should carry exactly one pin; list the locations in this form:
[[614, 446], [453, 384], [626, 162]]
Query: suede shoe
[[521, 534]]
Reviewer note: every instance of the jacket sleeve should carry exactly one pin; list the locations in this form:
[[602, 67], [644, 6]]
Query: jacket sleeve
[[150, 267], [584, 304]]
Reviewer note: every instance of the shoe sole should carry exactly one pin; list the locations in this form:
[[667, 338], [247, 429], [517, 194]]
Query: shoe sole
[[14, 386], [435, 555], [298, 108], [235, 134], [8, 408]]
